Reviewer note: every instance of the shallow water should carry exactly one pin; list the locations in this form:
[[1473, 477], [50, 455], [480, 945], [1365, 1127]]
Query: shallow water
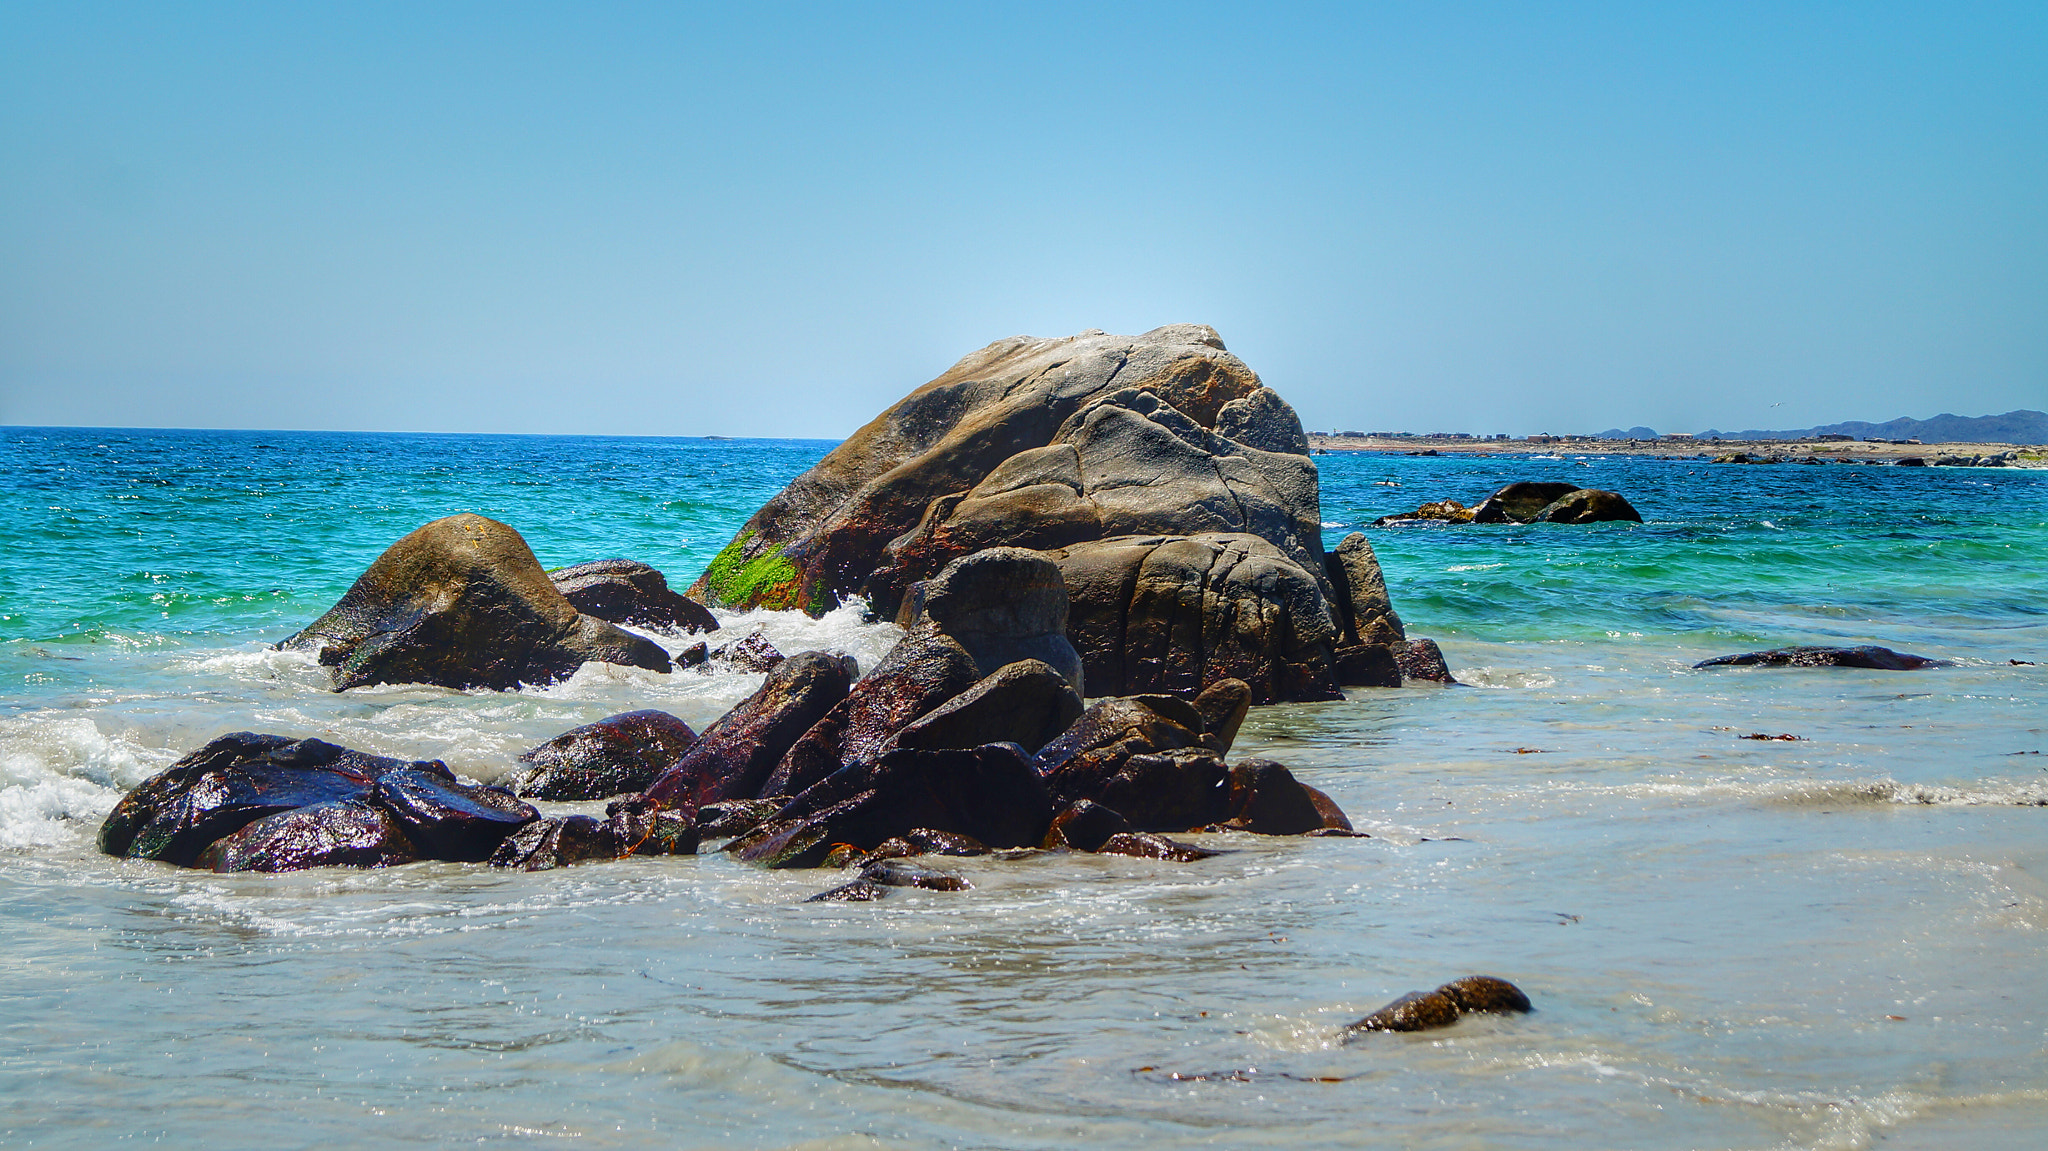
[[1717, 931]]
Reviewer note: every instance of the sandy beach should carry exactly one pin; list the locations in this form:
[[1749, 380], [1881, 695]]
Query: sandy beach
[[2027, 455]]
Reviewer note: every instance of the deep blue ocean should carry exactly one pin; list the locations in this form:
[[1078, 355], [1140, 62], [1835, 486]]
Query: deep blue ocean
[[1833, 941]]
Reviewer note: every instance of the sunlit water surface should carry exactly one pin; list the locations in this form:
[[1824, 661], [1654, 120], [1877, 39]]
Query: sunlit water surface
[[1836, 941]]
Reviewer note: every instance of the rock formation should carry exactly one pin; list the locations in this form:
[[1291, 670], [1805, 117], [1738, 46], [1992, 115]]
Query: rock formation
[[617, 754], [626, 591], [462, 603], [1172, 488], [1867, 656]]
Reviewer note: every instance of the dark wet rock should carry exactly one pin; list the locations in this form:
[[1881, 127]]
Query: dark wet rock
[[1484, 993], [618, 754], [990, 793], [556, 841], [1334, 819], [1264, 797], [1369, 665], [462, 603], [626, 591], [232, 782], [1027, 703], [1003, 605], [1519, 503], [854, 891], [924, 670], [1222, 707], [748, 653], [1909, 462], [1171, 789], [1868, 656], [1588, 506], [1178, 613], [732, 758], [1422, 659], [695, 655], [1148, 845], [1064, 446], [1427, 1010], [931, 841], [897, 872], [1113, 730], [737, 816], [1084, 825], [1415, 1011], [1437, 511], [644, 827], [1368, 612], [450, 820], [340, 833]]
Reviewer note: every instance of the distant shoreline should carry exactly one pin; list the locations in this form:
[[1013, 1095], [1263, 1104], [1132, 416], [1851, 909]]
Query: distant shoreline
[[2031, 455]]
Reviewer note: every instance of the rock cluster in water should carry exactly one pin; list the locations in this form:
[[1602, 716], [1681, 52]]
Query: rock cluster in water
[[1866, 656], [970, 735], [1527, 502]]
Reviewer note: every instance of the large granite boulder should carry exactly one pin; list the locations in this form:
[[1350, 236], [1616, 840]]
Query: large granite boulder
[[462, 603], [734, 756], [1367, 609], [1067, 446], [618, 754], [627, 591]]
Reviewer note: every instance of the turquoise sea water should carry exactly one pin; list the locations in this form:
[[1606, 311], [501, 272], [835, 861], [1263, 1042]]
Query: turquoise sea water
[[1718, 932]]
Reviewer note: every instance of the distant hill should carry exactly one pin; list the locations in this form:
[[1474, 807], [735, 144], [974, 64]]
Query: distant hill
[[2016, 427], [1638, 432]]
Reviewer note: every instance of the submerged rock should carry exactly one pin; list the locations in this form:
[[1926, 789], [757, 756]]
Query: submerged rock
[[1867, 656], [1427, 1010], [618, 754], [1148, 845], [462, 603], [1588, 506], [1441, 511], [990, 793], [1519, 503], [627, 591]]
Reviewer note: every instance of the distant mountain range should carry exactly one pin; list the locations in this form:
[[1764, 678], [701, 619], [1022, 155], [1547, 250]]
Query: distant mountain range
[[2023, 426]]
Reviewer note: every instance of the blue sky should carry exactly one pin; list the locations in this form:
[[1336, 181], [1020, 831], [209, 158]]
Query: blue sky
[[677, 219]]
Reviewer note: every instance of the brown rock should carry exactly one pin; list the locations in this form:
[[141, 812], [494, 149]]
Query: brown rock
[[1084, 826], [1222, 706], [1869, 656], [462, 603], [449, 820], [749, 653], [618, 754], [1422, 659], [339, 833], [1265, 798], [1026, 703], [924, 670], [626, 591], [733, 757], [1146, 845], [1587, 506], [1003, 605], [1519, 503]]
